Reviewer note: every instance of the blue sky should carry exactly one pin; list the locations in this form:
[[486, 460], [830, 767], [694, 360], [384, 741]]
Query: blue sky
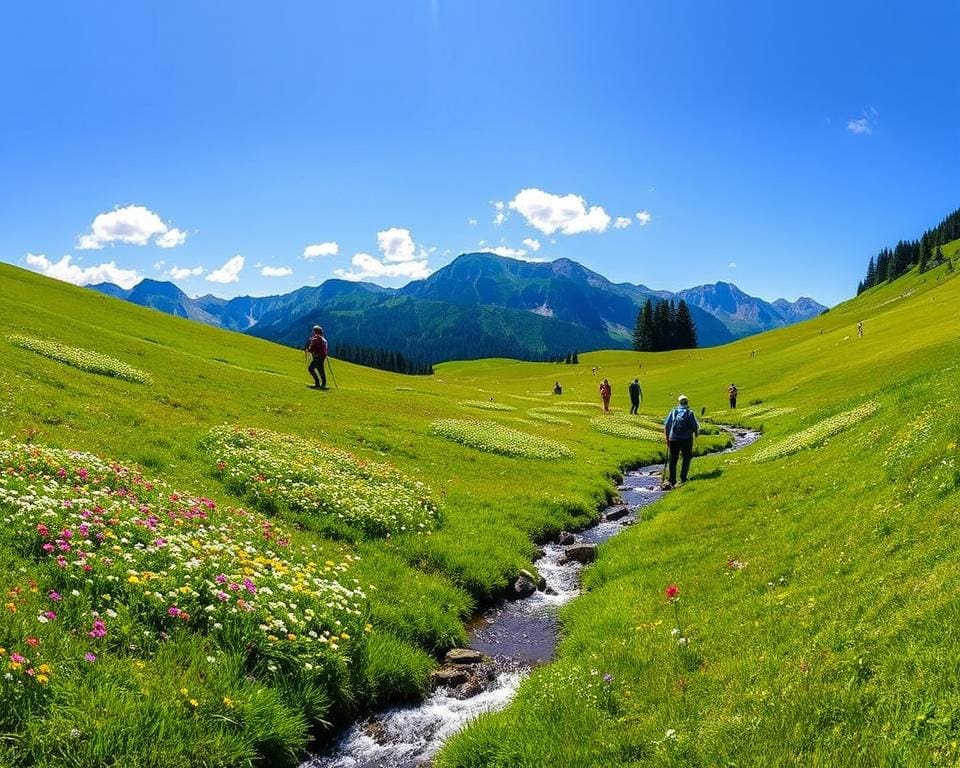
[[663, 143]]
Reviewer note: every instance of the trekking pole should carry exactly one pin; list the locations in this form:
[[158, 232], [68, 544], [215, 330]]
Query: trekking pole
[[332, 374]]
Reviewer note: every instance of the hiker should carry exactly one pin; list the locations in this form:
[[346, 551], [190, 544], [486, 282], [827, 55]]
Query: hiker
[[679, 428], [557, 389], [605, 395], [860, 329], [317, 347], [636, 395], [732, 394]]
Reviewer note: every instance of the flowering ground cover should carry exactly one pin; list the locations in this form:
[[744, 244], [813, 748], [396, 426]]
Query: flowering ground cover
[[625, 426], [120, 567], [273, 469], [487, 405], [84, 359], [496, 438], [542, 414], [816, 434]]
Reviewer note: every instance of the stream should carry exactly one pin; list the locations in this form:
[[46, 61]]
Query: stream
[[516, 635]]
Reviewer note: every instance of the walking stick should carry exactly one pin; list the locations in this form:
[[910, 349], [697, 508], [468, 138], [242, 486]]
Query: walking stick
[[332, 374]]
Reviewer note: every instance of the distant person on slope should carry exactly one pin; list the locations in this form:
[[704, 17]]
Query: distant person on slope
[[860, 329], [317, 347], [679, 428], [732, 393], [636, 395], [557, 389], [605, 395]]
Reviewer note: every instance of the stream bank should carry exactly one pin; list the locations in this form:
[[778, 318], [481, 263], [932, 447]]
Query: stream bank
[[511, 638]]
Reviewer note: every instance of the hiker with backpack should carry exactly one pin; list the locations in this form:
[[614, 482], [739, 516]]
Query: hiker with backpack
[[680, 428], [605, 392], [636, 395], [732, 393], [317, 347]]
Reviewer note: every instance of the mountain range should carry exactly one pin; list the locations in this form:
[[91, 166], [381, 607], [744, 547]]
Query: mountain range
[[479, 305]]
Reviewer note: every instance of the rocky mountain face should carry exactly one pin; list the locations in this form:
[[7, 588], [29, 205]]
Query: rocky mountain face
[[479, 305]]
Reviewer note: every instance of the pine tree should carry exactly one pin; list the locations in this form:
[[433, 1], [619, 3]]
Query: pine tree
[[576, 358], [645, 320], [685, 329]]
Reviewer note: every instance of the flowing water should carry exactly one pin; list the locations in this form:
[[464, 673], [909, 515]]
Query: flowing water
[[518, 635]]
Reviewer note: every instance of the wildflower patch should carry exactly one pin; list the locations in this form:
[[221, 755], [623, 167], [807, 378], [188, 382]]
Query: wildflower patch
[[119, 558], [542, 414], [273, 469], [84, 359], [812, 436], [487, 405], [496, 438], [623, 427]]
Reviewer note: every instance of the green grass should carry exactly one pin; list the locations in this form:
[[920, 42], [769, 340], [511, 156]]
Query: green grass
[[834, 645]]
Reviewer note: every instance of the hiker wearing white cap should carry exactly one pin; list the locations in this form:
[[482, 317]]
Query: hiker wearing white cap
[[679, 428]]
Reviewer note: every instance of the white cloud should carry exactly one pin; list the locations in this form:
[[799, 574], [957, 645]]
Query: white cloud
[[510, 253], [863, 125], [133, 225], [567, 214], [64, 270], [860, 126], [276, 271], [366, 266], [229, 272], [329, 248], [532, 244], [472, 222], [644, 217], [183, 273], [396, 245], [622, 222], [732, 265], [172, 238], [501, 212]]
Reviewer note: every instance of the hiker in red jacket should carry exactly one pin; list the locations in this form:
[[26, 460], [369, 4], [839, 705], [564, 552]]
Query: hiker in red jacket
[[605, 395], [317, 347]]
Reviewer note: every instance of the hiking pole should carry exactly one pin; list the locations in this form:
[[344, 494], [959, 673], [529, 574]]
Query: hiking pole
[[332, 374]]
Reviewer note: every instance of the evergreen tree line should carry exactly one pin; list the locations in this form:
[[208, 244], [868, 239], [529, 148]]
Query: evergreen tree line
[[571, 358], [664, 326], [384, 359], [924, 253]]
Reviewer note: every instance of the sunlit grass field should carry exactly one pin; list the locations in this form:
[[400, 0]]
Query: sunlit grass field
[[816, 603]]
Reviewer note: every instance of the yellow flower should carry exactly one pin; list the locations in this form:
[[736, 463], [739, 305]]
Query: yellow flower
[[194, 703], [11, 607], [133, 580], [228, 702], [41, 679], [368, 627], [184, 691], [344, 635], [291, 636], [44, 669]]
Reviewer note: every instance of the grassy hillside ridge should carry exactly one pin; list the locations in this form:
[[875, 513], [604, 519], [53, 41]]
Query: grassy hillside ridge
[[816, 591], [419, 587]]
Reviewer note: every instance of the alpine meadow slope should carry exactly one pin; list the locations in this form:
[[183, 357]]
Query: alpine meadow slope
[[815, 600]]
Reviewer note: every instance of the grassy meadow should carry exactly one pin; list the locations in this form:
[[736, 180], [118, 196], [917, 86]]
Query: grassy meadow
[[206, 562]]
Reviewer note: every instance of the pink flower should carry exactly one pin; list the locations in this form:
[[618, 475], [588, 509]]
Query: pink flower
[[55, 596], [220, 578], [50, 615], [16, 658], [222, 596], [42, 529], [90, 657], [173, 611], [672, 592], [99, 629]]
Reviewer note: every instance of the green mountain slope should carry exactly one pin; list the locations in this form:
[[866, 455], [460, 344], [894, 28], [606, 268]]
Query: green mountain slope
[[816, 586]]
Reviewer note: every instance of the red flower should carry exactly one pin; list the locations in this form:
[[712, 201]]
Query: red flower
[[672, 592]]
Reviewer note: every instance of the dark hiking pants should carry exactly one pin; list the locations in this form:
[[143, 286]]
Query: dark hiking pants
[[634, 405], [678, 448], [316, 365]]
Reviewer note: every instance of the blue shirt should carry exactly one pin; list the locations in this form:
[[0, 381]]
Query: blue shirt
[[680, 423]]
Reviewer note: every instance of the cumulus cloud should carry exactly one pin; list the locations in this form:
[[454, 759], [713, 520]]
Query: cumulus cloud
[[472, 222], [644, 217], [396, 244], [622, 222], [532, 244], [501, 211], [229, 272], [133, 225], [364, 266], [567, 214], [401, 258], [65, 270], [183, 273], [329, 248], [276, 271]]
